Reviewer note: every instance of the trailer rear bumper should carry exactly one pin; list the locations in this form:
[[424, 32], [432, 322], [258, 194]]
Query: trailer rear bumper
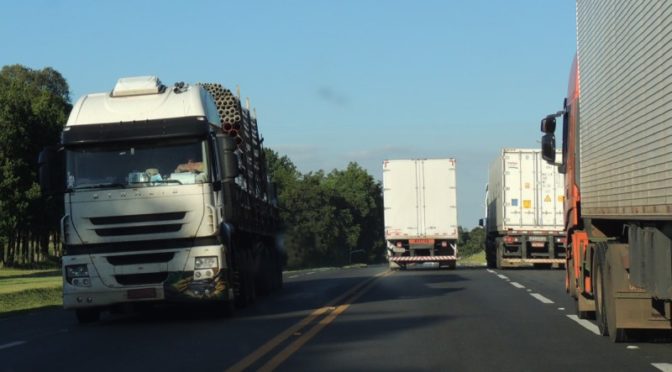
[[417, 259], [533, 260]]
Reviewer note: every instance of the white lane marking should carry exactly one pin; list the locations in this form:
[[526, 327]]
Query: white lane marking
[[503, 277], [529, 290], [561, 308], [585, 324], [665, 367], [517, 285], [491, 271], [12, 344], [292, 277], [310, 273], [632, 347], [541, 298]]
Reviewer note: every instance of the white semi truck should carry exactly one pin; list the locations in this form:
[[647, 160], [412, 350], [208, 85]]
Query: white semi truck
[[161, 203], [524, 202], [420, 199]]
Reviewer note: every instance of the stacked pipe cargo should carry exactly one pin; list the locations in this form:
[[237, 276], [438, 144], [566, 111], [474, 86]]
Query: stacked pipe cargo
[[239, 123]]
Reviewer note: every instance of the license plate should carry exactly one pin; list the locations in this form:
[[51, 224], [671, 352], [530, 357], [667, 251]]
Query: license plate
[[421, 241], [135, 294], [538, 244], [537, 238]]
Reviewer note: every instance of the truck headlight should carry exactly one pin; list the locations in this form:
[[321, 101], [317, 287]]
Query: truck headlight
[[78, 275], [209, 262]]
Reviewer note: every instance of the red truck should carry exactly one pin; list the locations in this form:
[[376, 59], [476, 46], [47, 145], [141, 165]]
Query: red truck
[[617, 160]]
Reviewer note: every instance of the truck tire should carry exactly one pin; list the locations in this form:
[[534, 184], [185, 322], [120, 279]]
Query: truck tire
[[490, 259], [277, 270], [569, 278], [265, 277], [394, 266], [500, 255], [598, 290], [87, 315], [244, 283]]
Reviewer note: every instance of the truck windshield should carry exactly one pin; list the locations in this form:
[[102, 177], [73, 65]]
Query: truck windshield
[[137, 165]]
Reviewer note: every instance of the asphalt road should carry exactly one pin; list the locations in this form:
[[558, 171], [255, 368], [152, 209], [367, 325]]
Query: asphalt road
[[469, 319]]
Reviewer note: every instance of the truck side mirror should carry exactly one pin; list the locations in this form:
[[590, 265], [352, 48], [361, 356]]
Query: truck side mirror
[[51, 172], [227, 147], [548, 124], [548, 147]]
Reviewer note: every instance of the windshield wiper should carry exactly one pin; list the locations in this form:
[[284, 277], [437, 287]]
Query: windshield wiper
[[110, 185]]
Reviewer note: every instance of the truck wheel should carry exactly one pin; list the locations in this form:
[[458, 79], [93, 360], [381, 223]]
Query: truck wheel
[[228, 308], [265, 277], [87, 315], [500, 254], [598, 290], [569, 279], [277, 270], [394, 266], [490, 259], [244, 284], [251, 285]]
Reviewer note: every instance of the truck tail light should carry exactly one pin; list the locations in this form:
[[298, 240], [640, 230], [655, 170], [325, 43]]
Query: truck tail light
[[399, 245], [444, 244], [510, 239]]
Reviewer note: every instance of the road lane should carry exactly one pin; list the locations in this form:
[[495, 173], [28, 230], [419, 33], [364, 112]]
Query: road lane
[[464, 320], [169, 338], [467, 319]]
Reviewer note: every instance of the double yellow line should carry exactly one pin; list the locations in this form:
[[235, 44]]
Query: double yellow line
[[328, 312]]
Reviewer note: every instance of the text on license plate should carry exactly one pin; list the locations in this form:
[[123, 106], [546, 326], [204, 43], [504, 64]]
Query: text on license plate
[[421, 241], [134, 294]]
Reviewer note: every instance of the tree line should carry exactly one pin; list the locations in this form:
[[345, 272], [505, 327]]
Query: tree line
[[34, 106], [333, 218]]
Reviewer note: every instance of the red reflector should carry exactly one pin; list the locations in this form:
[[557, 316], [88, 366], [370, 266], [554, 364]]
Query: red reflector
[[509, 239], [399, 244], [444, 244]]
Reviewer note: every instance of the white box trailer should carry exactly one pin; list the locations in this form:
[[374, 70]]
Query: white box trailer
[[524, 206], [420, 199]]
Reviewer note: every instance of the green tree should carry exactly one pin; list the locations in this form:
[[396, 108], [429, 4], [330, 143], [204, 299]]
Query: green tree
[[327, 219], [363, 197], [471, 242], [34, 105]]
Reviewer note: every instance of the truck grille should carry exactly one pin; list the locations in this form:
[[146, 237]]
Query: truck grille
[[135, 230], [140, 258], [175, 217], [136, 218]]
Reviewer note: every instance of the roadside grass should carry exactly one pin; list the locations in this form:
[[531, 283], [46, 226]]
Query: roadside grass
[[477, 259], [29, 289]]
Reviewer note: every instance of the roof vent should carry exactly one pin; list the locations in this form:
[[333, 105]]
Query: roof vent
[[137, 85]]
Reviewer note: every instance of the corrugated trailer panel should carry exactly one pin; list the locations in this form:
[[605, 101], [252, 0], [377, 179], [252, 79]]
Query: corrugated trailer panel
[[625, 64], [420, 198], [524, 193]]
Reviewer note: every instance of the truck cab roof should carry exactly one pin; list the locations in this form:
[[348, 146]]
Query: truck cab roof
[[143, 98]]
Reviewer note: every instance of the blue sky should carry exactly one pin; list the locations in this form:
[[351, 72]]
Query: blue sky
[[332, 81]]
